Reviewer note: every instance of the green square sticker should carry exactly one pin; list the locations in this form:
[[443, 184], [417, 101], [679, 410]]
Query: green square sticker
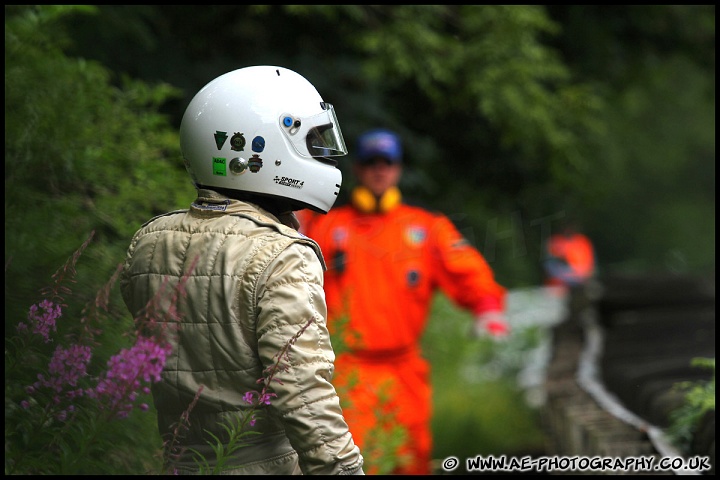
[[219, 166]]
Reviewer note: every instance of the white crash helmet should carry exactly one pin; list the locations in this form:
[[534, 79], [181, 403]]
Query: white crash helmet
[[264, 130]]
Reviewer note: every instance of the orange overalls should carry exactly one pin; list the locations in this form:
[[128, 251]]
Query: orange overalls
[[383, 270], [571, 259]]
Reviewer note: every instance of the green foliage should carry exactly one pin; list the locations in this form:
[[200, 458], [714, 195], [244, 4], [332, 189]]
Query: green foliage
[[387, 436], [651, 206], [380, 453], [81, 154], [58, 419], [662, 165], [605, 112], [237, 430], [486, 67], [478, 406], [699, 398]]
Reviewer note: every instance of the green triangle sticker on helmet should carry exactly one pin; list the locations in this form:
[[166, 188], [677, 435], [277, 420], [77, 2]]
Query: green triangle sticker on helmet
[[220, 138]]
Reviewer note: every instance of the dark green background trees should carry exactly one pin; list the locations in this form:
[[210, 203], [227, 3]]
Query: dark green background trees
[[513, 116]]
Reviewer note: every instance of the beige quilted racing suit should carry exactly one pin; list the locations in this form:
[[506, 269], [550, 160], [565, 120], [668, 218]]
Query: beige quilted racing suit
[[256, 283]]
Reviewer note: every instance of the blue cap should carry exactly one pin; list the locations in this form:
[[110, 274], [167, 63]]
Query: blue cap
[[379, 143]]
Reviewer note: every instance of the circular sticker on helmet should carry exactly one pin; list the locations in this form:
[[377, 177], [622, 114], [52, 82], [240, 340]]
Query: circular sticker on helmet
[[255, 163], [238, 165], [237, 142], [258, 144]]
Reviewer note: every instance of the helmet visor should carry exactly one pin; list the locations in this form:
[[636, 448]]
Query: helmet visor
[[315, 136]]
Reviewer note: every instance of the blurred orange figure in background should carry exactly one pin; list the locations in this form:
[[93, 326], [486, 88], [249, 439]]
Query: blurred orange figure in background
[[386, 259], [570, 258]]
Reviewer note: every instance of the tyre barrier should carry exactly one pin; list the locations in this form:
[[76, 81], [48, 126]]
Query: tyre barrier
[[615, 362]]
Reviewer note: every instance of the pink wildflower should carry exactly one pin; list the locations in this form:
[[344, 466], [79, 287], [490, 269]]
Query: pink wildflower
[[67, 366], [265, 398], [144, 362], [42, 323], [70, 364]]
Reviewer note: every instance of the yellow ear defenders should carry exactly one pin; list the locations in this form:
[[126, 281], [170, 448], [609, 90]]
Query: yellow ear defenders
[[364, 200]]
